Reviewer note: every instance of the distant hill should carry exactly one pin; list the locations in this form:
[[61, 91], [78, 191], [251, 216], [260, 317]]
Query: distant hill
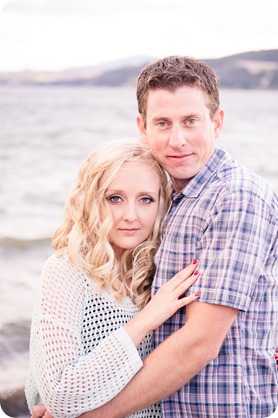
[[248, 70]]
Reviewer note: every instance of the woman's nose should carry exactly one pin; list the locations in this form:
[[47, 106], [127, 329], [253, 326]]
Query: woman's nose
[[130, 213]]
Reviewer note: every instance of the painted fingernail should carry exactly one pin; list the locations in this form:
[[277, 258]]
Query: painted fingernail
[[195, 262], [196, 272], [197, 294]]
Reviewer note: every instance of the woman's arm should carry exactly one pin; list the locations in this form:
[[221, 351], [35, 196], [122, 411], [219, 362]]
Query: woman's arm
[[71, 382], [69, 379]]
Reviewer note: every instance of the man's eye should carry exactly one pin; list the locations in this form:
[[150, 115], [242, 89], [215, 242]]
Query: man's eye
[[192, 121], [161, 124]]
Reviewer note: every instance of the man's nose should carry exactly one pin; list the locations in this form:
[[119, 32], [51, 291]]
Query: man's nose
[[177, 137]]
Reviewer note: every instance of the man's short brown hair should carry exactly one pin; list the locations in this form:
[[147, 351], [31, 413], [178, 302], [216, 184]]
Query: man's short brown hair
[[172, 72]]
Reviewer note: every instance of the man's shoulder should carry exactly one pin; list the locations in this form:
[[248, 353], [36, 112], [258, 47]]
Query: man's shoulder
[[224, 178], [236, 178]]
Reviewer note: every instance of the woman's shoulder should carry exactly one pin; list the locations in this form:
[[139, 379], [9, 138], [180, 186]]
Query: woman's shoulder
[[56, 263], [58, 268]]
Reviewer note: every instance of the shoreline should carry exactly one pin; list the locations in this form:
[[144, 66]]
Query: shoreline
[[13, 404]]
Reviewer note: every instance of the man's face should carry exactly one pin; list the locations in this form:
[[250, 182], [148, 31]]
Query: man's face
[[180, 131]]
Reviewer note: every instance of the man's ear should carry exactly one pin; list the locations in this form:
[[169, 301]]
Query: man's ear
[[141, 126], [218, 122]]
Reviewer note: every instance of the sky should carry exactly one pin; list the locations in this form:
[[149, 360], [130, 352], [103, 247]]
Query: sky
[[50, 35]]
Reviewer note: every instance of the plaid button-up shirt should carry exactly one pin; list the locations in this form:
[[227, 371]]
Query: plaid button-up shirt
[[227, 218]]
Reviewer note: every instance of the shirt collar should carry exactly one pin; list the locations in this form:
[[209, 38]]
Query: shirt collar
[[198, 182]]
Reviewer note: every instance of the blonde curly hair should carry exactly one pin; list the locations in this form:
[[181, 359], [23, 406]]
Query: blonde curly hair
[[83, 235]]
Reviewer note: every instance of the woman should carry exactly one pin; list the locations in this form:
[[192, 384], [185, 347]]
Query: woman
[[93, 309]]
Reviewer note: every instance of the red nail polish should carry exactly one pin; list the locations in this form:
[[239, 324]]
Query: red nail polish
[[195, 262], [196, 272], [197, 294]]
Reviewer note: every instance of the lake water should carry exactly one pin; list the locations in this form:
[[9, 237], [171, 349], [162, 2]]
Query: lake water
[[45, 134]]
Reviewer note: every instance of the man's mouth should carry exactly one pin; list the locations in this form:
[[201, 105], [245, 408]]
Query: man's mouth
[[179, 156]]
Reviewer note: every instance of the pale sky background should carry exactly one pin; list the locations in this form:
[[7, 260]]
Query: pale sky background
[[60, 34]]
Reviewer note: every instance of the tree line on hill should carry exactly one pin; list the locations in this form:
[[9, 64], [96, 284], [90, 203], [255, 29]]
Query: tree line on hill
[[249, 70]]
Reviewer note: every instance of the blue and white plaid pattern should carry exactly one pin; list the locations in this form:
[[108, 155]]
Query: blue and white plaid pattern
[[227, 218]]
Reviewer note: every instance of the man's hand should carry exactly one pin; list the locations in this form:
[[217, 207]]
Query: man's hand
[[40, 412]]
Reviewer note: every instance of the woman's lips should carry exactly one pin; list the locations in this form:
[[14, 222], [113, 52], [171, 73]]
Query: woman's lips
[[129, 231]]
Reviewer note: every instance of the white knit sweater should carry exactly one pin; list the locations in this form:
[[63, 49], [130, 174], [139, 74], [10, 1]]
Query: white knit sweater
[[80, 354]]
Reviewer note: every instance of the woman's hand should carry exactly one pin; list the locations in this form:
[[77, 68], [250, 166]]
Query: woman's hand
[[168, 299]]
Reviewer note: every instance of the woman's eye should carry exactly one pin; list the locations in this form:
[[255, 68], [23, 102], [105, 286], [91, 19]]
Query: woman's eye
[[146, 199], [114, 199]]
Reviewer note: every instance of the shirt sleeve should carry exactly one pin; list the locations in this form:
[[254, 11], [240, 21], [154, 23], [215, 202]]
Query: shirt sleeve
[[70, 381], [233, 249]]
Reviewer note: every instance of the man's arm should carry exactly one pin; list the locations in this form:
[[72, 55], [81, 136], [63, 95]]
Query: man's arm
[[174, 362]]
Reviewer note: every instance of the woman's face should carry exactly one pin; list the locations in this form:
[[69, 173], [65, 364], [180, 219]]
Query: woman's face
[[133, 197]]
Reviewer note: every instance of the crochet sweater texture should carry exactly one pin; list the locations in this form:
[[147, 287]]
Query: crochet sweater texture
[[80, 354]]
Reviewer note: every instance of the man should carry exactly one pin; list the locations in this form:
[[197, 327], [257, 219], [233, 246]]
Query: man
[[216, 358]]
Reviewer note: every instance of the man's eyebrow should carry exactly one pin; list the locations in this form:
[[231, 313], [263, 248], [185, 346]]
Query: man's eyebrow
[[186, 116], [158, 118]]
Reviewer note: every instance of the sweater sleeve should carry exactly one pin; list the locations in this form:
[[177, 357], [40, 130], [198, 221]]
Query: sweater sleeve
[[70, 381]]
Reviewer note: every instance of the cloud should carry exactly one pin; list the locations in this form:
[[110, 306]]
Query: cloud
[[85, 7], [3, 3], [42, 7], [70, 7], [63, 33]]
